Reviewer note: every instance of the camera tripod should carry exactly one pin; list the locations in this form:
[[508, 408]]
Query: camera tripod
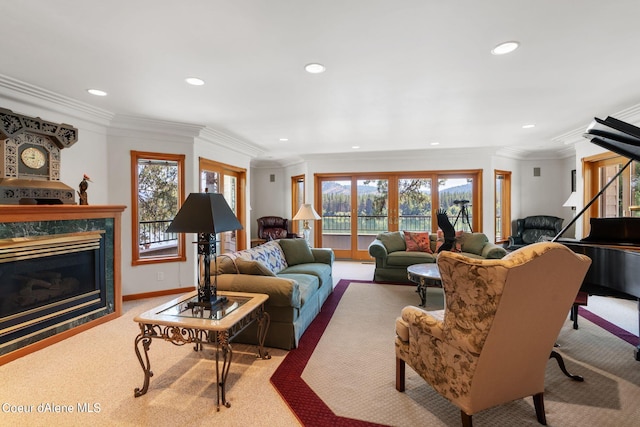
[[463, 214]]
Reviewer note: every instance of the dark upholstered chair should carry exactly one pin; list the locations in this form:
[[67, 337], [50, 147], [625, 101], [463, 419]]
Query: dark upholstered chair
[[274, 227], [533, 229]]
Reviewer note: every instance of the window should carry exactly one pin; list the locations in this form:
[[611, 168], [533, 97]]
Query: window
[[621, 198], [157, 192], [356, 207], [297, 198], [503, 205], [230, 181]]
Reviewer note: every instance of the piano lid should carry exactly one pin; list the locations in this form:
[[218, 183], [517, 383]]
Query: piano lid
[[615, 135]]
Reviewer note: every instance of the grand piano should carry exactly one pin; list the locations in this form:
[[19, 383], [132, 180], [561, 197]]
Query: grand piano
[[613, 244]]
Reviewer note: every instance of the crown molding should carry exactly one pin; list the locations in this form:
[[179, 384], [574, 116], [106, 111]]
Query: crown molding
[[42, 98], [630, 115], [264, 163], [216, 137], [553, 153], [144, 127]]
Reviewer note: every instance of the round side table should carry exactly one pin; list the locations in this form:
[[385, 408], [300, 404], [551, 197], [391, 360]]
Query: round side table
[[424, 275]]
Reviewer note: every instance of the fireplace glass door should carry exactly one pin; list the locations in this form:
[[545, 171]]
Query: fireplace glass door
[[48, 281]]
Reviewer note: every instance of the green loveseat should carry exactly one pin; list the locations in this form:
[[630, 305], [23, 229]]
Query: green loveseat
[[298, 280], [392, 258]]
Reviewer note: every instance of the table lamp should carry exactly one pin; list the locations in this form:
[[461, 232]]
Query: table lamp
[[306, 213], [205, 214], [573, 201]]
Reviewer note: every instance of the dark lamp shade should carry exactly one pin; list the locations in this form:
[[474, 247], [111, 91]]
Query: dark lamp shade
[[204, 213]]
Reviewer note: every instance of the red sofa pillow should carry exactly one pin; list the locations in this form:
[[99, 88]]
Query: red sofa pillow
[[417, 242]]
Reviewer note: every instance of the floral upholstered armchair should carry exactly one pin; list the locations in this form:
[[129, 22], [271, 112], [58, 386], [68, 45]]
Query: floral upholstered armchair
[[501, 319]]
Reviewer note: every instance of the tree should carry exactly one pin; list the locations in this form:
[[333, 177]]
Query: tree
[[157, 191], [414, 197]]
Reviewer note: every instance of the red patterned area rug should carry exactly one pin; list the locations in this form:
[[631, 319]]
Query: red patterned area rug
[[287, 379], [311, 410]]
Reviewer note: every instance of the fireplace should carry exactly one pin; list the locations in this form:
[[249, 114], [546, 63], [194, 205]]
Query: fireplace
[[49, 280], [59, 273]]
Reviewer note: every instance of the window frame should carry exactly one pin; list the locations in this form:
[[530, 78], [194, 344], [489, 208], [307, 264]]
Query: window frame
[[353, 252], [298, 192], [240, 174], [505, 212], [136, 259], [591, 166]]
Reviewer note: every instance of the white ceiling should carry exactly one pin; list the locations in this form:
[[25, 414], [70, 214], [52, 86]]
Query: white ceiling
[[400, 73]]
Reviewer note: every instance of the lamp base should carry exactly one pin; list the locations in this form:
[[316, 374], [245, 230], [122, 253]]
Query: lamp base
[[218, 302]]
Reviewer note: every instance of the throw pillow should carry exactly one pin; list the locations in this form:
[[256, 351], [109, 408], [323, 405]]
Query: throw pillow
[[417, 242], [473, 242], [393, 241], [226, 265], [255, 268], [296, 251]]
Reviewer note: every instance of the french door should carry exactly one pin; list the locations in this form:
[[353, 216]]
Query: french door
[[356, 207], [354, 211], [622, 196], [230, 182]]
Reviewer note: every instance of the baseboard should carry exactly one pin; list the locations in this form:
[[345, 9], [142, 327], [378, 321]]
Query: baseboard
[[156, 294]]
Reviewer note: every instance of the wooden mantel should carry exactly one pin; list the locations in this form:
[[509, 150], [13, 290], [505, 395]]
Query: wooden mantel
[[24, 213], [16, 214]]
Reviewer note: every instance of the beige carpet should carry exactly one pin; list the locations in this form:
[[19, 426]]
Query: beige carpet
[[353, 370], [99, 366]]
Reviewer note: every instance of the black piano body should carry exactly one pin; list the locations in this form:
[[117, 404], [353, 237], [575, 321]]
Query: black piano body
[[613, 245]]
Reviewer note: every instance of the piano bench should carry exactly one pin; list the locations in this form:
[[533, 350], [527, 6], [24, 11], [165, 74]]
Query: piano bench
[[581, 299]]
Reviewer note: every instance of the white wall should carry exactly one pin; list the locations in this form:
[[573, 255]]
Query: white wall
[[544, 194], [530, 195], [273, 198], [87, 155], [144, 278], [269, 198], [105, 142], [103, 153], [193, 141]]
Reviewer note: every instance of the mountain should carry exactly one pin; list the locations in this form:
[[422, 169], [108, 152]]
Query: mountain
[[344, 187], [466, 188]]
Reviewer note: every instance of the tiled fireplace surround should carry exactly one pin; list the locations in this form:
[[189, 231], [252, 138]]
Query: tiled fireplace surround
[[69, 279]]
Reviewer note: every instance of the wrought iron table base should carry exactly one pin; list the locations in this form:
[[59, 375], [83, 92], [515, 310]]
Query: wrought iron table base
[[180, 336], [422, 287]]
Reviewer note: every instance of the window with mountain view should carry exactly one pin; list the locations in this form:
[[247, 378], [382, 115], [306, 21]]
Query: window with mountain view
[[355, 208]]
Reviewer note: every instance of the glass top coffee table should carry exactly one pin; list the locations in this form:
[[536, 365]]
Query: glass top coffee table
[[424, 275], [180, 322]]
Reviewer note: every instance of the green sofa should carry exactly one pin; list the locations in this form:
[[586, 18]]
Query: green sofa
[[392, 257], [298, 280]]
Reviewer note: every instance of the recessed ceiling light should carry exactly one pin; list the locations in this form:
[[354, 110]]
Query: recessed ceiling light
[[315, 68], [355, 147], [97, 92], [529, 126], [194, 81], [504, 48], [434, 143], [284, 139]]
